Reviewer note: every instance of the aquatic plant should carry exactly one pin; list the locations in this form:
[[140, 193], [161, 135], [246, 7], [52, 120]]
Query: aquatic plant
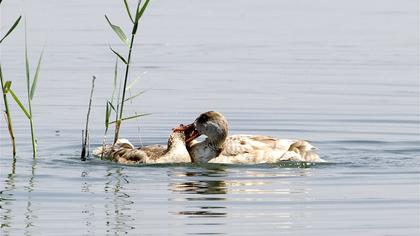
[[119, 107], [109, 104], [30, 88], [7, 113], [3, 89], [11, 28], [85, 137]]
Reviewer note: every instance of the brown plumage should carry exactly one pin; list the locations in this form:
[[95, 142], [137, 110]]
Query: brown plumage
[[124, 152]]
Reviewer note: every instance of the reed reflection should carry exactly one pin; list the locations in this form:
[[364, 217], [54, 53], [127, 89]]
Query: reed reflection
[[6, 200], [30, 212], [118, 204], [88, 209]]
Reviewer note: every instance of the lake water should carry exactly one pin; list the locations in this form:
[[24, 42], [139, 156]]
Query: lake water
[[343, 74]]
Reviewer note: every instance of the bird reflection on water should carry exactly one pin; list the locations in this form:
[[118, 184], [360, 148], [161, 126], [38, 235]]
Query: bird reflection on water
[[207, 184], [214, 196]]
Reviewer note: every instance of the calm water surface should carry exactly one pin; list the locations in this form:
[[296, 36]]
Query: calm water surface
[[343, 74]]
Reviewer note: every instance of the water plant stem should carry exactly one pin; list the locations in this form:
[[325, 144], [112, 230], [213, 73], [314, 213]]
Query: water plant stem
[[31, 123], [86, 133], [4, 92], [7, 115], [127, 69], [122, 36], [28, 89]]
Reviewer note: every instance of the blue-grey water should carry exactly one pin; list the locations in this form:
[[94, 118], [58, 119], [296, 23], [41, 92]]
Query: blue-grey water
[[343, 74]]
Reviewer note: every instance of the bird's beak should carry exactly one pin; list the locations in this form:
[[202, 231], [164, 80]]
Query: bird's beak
[[189, 130]]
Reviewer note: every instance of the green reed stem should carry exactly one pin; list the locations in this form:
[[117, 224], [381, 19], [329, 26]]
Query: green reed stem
[[127, 69], [28, 89], [7, 115], [31, 87], [33, 139], [6, 103], [120, 33], [31, 123]]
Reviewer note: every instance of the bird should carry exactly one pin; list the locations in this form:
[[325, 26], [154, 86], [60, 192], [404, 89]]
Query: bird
[[218, 147], [125, 153]]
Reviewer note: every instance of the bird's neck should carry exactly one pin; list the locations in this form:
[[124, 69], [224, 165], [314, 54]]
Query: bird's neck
[[211, 147], [217, 140], [203, 152]]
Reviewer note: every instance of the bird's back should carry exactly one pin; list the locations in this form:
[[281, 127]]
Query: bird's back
[[254, 149]]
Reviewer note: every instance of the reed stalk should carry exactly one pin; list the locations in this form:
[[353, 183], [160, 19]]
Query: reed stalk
[[110, 106], [7, 114], [127, 69], [120, 33], [30, 87], [86, 136], [3, 89]]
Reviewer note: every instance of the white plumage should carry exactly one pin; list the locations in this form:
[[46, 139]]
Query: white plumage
[[243, 149]]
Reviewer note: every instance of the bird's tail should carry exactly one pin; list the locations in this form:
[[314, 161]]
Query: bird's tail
[[305, 151], [107, 151]]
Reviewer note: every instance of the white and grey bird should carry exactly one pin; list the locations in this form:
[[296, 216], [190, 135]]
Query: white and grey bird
[[218, 147]]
